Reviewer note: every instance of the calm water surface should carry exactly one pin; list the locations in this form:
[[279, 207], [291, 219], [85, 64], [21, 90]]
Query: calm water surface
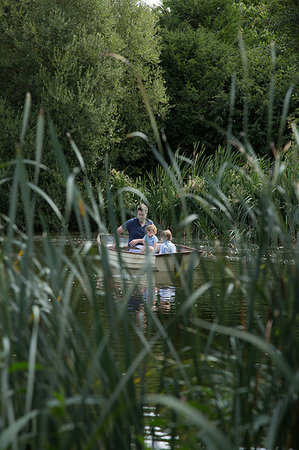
[[161, 296]]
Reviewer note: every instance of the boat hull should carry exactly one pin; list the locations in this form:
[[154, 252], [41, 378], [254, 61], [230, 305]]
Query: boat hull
[[185, 259]]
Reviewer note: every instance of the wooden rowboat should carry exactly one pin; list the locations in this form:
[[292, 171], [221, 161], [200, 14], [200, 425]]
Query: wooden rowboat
[[186, 258]]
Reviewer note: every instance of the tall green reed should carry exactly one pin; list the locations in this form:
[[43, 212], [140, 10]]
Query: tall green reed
[[42, 339]]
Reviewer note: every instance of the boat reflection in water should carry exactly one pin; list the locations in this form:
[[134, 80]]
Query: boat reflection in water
[[159, 298], [157, 294], [166, 298]]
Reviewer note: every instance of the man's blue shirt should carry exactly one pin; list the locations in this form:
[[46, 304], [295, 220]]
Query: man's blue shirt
[[136, 231]]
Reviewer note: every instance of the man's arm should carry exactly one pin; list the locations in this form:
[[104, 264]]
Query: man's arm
[[136, 241], [120, 230]]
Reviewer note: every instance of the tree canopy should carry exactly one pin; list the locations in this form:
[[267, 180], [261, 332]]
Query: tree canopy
[[210, 46], [57, 50], [60, 51], [207, 66]]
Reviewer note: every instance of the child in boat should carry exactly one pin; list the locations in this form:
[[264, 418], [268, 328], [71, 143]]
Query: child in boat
[[167, 246], [149, 241]]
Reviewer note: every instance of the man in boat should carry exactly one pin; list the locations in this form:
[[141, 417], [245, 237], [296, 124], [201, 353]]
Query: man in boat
[[136, 227]]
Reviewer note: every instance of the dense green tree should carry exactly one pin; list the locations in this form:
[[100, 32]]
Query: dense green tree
[[276, 20], [201, 56], [196, 68], [199, 39], [266, 24], [57, 50], [219, 16]]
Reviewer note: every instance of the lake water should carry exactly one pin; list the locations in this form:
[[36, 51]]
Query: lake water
[[165, 293], [150, 300], [162, 295]]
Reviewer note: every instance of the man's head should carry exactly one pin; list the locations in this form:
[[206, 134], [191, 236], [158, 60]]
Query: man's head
[[142, 212]]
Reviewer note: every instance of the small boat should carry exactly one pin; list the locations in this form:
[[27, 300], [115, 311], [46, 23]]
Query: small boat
[[186, 258]]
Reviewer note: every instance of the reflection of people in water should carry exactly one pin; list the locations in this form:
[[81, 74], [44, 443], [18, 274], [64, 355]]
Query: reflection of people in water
[[140, 297], [166, 298], [167, 293], [159, 298], [156, 295]]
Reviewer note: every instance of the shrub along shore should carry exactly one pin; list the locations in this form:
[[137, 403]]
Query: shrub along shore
[[221, 193]]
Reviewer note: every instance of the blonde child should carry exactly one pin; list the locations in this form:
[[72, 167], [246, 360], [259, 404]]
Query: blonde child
[[167, 246], [149, 241]]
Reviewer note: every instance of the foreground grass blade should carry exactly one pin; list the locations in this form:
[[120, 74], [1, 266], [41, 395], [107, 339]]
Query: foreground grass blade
[[207, 431], [26, 115], [10, 435], [32, 360]]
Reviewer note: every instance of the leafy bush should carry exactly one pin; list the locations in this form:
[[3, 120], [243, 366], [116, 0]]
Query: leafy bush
[[203, 65], [58, 52]]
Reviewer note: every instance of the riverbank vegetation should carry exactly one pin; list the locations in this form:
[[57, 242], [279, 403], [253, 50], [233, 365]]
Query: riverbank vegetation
[[197, 35], [211, 70], [57, 51], [237, 182]]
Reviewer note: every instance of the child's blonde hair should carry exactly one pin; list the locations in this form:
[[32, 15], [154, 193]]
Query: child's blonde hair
[[167, 235], [151, 228]]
